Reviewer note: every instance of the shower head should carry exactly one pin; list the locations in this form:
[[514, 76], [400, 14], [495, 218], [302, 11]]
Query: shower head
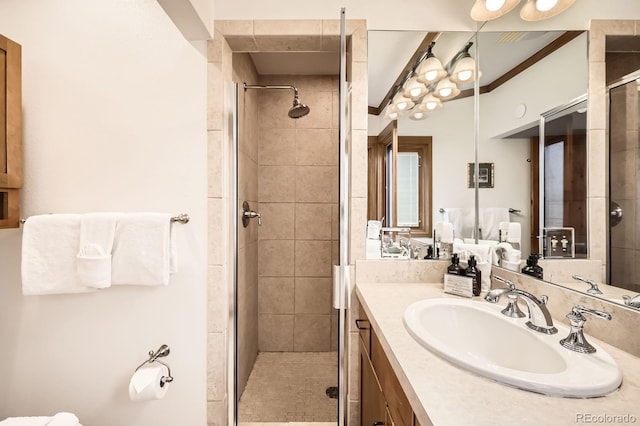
[[297, 110]]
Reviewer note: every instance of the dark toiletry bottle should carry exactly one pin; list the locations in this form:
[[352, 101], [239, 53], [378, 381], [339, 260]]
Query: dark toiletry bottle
[[455, 268], [532, 267], [474, 273], [429, 252]]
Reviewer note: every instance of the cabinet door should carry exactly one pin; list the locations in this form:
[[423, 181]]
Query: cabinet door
[[373, 409], [10, 132]]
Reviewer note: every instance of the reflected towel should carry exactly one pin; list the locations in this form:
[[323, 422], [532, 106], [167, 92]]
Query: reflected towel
[[462, 219], [60, 419], [49, 248], [490, 219], [514, 234], [142, 249]]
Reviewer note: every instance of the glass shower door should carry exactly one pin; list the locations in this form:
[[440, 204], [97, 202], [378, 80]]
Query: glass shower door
[[624, 147]]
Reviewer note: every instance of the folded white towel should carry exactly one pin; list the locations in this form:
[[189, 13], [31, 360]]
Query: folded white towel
[[60, 419], [142, 249], [446, 232], [490, 219], [97, 231], [49, 248], [514, 234], [462, 219]]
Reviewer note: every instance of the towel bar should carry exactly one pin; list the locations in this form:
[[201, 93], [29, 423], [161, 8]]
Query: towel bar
[[511, 210], [182, 218]]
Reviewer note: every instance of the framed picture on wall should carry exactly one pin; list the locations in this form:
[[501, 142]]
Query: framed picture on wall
[[485, 175]]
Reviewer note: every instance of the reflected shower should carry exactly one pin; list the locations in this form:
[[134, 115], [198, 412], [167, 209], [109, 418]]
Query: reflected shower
[[297, 110]]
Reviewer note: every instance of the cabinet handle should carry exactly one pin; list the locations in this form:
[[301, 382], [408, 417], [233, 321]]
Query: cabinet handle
[[359, 325], [378, 423]]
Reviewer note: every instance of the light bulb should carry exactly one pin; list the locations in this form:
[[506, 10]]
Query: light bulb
[[465, 75], [545, 5], [494, 5], [431, 105], [415, 92], [446, 91], [431, 75], [401, 106]]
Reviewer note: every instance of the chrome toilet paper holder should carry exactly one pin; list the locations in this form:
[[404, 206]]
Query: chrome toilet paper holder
[[153, 357]]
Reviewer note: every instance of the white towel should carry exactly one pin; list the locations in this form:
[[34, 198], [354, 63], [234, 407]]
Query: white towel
[[490, 219], [462, 219], [446, 232], [97, 231], [514, 235], [482, 256], [60, 419], [49, 248], [142, 249]]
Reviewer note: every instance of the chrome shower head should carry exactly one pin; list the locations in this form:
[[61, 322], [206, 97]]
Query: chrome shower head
[[297, 110]]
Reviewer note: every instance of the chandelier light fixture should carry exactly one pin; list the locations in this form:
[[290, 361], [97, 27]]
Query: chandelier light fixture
[[533, 10]]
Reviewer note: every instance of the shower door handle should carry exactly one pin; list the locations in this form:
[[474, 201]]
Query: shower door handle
[[247, 214]]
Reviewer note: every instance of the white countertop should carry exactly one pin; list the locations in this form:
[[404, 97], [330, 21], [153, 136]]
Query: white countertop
[[453, 396]]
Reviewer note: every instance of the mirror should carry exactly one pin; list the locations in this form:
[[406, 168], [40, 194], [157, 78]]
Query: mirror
[[510, 107]]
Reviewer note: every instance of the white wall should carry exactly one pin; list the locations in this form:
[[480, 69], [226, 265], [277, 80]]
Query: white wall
[[114, 120]]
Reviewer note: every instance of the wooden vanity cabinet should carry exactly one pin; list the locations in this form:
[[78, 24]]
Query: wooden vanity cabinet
[[10, 132], [382, 400]]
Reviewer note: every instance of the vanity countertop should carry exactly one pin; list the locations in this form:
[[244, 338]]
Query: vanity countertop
[[453, 396]]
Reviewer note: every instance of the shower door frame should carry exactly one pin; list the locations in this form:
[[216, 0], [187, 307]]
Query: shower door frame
[[614, 85]]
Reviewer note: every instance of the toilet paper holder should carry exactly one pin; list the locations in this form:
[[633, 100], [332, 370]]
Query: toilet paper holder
[[153, 357]]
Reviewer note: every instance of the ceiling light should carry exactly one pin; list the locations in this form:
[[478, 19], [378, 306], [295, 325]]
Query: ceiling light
[[401, 103], [464, 66], [414, 89], [390, 114], [446, 89], [431, 69], [486, 10], [537, 10], [430, 103], [417, 115]]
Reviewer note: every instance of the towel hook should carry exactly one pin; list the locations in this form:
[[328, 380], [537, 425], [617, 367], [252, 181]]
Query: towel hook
[[153, 357]]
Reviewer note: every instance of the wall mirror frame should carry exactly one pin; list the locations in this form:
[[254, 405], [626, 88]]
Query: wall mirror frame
[[10, 132], [500, 137]]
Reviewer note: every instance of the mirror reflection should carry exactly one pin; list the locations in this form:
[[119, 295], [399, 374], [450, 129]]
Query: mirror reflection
[[525, 78]]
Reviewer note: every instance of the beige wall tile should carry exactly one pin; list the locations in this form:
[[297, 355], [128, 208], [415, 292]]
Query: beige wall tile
[[313, 295], [316, 184], [243, 43], [277, 147], [312, 332], [217, 231], [597, 163], [274, 105], [217, 413], [313, 258], [359, 164], [288, 43], [276, 333], [316, 147], [358, 229], [215, 96], [358, 43], [276, 27], [313, 221], [215, 178], [217, 296], [247, 179], [335, 221], [214, 47], [234, 27], [276, 258], [321, 110], [277, 221], [276, 295], [216, 380], [277, 184], [334, 329]]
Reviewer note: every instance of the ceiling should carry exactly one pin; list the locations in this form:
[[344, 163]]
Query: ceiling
[[391, 51]]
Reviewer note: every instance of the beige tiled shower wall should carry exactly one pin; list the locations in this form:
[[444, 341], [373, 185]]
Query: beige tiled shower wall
[[244, 71], [298, 194]]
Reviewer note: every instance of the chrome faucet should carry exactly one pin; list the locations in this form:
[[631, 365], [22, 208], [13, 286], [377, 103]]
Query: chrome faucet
[[594, 286], [539, 316], [576, 341], [633, 302]]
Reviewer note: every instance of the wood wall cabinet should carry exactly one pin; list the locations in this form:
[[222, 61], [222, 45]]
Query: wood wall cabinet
[[382, 400], [10, 132]]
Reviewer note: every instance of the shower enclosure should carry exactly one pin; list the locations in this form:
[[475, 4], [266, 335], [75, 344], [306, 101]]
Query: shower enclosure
[[624, 146], [291, 207]]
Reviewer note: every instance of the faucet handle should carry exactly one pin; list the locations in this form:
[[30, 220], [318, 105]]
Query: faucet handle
[[576, 341]]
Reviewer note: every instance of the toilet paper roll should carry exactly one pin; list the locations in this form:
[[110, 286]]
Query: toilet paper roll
[[146, 384]]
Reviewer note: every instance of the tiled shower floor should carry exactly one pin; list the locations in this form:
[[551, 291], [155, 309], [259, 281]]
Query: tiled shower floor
[[290, 387]]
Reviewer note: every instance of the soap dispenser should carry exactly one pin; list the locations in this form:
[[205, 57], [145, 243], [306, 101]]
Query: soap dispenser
[[532, 268], [473, 272], [455, 268]]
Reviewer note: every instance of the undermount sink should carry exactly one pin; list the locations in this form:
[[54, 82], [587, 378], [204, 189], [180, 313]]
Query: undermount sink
[[474, 335]]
